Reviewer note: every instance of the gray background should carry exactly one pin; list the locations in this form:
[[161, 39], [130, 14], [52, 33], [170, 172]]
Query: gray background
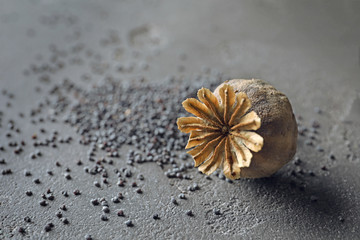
[[310, 50]]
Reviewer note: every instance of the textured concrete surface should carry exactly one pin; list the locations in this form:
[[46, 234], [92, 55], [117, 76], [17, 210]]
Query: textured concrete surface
[[310, 50]]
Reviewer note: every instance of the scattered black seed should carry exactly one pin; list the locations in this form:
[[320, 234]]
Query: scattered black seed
[[139, 190], [128, 173], [121, 183], [38, 153], [27, 173], [299, 170], [120, 213], [88, 237], [59, 214], [173, 200], [48, 227], [189, 213], [297, 161], [58, 164], [77, 192], [115, 200], [29, 193], [104, 218], [51, 197], [309, 142], [65, 221], [21, 230], [319, 149], [182, 196], [6, 171], [120, 195], [97, 184], [36, 181], [315, 124], [67, 176], [79, 163], [313, 198], [18, 150], [12, 144], [43, 203], [65, 193], [341, 219], [216, 211], [27, 219], [63, 207], [324, 168], [156, 216], [106, 209], [229, 180], [134, 184], [129, 223], [94, 202]]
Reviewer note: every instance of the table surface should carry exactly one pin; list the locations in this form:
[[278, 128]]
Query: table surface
[[307, 49]]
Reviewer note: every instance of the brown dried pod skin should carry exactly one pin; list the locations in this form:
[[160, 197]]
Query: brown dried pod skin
[[278, 126]]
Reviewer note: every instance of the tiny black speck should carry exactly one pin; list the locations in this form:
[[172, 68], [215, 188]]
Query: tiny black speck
[[129, 223]]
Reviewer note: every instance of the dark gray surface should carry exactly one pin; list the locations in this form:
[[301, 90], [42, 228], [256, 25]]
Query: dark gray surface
[[307, 49]]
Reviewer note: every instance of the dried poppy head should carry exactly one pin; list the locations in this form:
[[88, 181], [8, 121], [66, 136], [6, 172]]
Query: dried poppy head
[[223, 131]]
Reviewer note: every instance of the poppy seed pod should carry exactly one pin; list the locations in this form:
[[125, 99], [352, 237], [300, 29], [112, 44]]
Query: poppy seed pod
[[247, 127]]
